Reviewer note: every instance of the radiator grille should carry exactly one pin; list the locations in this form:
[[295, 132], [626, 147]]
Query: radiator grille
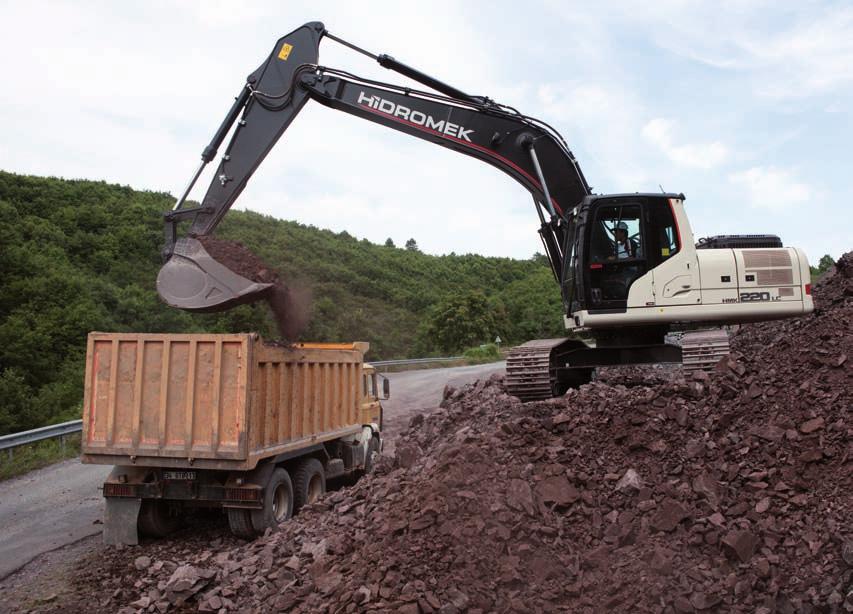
[[766, 258], [774, 277]]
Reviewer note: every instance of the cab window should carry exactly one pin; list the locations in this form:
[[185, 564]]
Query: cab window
[[665, 231], [617, 234]]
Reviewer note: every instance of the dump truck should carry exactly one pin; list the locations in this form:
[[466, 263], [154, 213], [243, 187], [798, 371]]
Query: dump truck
[[224, 421]]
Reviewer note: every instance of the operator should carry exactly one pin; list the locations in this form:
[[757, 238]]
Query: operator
[[624, 247]]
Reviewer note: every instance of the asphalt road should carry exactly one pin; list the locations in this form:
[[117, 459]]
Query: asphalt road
[[414, 392], [61, 504], [47, 509]]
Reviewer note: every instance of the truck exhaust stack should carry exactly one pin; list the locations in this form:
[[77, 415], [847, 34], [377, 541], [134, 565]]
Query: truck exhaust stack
[[192, 280]]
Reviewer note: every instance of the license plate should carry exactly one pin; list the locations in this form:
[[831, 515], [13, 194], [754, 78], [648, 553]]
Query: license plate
[[179, 475]]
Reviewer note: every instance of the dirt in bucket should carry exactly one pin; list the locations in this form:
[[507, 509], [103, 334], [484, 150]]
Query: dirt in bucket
[[291, 306]]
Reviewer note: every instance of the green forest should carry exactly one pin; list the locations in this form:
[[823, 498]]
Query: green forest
[[79, 256]]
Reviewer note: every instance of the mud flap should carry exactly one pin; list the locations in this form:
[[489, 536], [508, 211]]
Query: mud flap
[[120, 518]]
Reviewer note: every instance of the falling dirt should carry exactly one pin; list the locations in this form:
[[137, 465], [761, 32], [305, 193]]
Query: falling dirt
[[290, 306], [728, 491]]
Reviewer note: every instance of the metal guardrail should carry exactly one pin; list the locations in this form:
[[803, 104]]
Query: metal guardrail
[[10, 442], [413, 361]]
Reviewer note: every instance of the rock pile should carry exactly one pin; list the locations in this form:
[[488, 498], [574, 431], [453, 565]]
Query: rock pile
[[729, 491]]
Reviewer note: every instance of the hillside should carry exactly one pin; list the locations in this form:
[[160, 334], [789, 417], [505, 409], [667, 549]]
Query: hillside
[[83, 255]]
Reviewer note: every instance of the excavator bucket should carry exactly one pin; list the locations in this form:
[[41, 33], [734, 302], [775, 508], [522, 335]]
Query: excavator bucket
[[192, 280]]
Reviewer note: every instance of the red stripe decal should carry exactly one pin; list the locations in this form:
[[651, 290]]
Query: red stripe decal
[[467, 144]]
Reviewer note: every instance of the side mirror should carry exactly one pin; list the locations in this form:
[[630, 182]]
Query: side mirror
[[386, 388]]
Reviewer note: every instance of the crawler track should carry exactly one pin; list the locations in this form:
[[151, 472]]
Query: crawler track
[[702, 349], [528, 370]]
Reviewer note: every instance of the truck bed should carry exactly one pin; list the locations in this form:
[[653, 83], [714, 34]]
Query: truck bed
[[214, 401]]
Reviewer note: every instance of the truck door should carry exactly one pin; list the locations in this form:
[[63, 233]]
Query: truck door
[[371, 411]]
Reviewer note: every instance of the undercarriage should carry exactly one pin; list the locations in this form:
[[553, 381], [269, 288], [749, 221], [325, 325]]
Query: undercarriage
[[546, 368]]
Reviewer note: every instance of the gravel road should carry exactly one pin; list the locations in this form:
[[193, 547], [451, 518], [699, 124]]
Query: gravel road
[[61, 504]]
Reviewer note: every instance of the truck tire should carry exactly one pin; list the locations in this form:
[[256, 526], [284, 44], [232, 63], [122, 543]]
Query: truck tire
[[309, 482], [240, 522], [155, 519], [372, 455], [278, 502]]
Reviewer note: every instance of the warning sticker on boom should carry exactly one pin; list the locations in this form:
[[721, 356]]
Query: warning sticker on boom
[[286, 48]]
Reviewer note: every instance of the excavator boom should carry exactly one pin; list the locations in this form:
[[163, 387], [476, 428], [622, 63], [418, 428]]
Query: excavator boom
[[526, 149]]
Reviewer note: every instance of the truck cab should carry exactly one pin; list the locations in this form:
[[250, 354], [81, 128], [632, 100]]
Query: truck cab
[[371, 395]]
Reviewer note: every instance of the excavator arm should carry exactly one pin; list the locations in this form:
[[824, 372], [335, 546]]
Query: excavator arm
[[526, 149]]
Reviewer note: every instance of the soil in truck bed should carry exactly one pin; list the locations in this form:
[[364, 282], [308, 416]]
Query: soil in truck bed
[[291, 306]]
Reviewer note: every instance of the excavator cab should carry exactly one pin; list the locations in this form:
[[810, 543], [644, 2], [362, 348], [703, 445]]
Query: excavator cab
[[619, 238]]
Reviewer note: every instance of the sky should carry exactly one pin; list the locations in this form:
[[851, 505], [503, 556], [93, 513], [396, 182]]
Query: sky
[[744, 107]]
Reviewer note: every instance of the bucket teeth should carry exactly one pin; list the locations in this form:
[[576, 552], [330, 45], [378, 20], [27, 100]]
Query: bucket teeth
[[192, 280]]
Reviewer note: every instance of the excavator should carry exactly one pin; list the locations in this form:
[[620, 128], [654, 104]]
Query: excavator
[[631, 273]]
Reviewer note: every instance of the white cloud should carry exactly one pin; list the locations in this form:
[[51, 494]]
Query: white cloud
[[772, 188], [115, 91], [124, 95], [814, 56], [801, 51], [600, 117], [694, 155]]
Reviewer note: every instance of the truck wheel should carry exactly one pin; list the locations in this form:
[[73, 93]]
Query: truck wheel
[[240, 522], [155, 519], [309, 482], [278, 502], [372, 455]]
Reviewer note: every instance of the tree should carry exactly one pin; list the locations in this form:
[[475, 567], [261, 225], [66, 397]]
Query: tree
[[389, 242], [78, 256], [823, 265], [461, 321], [540, 258]]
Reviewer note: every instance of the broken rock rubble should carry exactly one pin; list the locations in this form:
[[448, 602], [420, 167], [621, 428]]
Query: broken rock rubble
[[638, 492]]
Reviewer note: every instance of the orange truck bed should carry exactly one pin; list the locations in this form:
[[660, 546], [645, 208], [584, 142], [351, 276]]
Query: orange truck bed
[[214, 401]]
